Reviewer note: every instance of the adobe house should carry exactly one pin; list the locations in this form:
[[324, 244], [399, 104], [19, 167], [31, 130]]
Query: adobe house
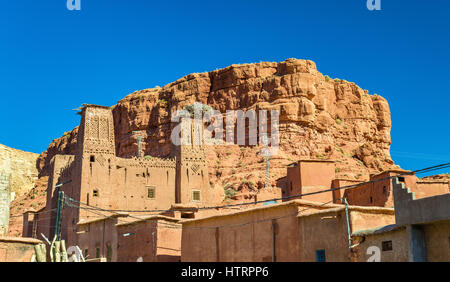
[[298, 230], [421, 231], [97, 237], [122, 238], [380, 193], [306, 176], [155, 238], [101, 179], [309, 176]]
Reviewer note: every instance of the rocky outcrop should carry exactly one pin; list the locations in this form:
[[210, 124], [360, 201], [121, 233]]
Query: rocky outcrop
[[22, 169], [320, 118]]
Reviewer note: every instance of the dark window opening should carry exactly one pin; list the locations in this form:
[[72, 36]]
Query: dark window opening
[[291, 185], [95, 193], [97, 252], [151, 192], [386, 246], [371, 199], [401, 179], [384, 190], [196, 195], [187, 215], [320, 256], [86, 253], [108, 252], [92, 159]]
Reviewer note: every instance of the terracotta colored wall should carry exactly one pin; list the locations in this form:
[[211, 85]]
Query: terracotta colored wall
[[324, 231], [248, 235], [244, 237], [311, 176], [427, 189], [99, 235], [119, 183], [366, 219], [152, 241], [11, 251], [317, 176], [378, 193]]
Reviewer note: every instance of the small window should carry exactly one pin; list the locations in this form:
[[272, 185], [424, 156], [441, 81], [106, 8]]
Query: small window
[[92, 159], [97, 252], [320, 256], [108, 252], [187, 215], [196, 195], [95, 193], [386, 246], [86, 253], [371, 199], [151, 192], [401, 179]]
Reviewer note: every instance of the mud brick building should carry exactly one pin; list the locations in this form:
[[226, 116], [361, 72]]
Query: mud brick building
[[297, 230], [421, 231], [309, 176], [100, 179]]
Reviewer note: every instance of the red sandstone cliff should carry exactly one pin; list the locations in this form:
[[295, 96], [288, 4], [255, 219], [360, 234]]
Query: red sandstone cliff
[[319, 118]]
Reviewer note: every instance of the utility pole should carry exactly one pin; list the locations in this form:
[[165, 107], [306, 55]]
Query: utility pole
[[59, 208], [139, 138], [266, 155], [348, 223]]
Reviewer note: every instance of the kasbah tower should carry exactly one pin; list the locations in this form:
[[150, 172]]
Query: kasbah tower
[[94, 176]]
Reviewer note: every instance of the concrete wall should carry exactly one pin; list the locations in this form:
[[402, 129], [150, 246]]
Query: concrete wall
[[437, 237], [408, 210]]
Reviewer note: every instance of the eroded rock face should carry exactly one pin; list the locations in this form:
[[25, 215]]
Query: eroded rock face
[[319, 118], [21, 166]]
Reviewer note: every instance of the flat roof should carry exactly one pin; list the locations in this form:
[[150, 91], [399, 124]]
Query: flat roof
[[151, 217], [95, 106], [88, 221], [378, 230], [399, 170], [348, 179], [20, 240], [297, 202], [312, 161], [327, 208]]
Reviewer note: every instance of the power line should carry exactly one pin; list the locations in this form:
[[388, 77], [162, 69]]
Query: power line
[[352, 186]]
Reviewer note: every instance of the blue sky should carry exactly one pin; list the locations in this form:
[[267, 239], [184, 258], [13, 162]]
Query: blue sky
[[52, 60]]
